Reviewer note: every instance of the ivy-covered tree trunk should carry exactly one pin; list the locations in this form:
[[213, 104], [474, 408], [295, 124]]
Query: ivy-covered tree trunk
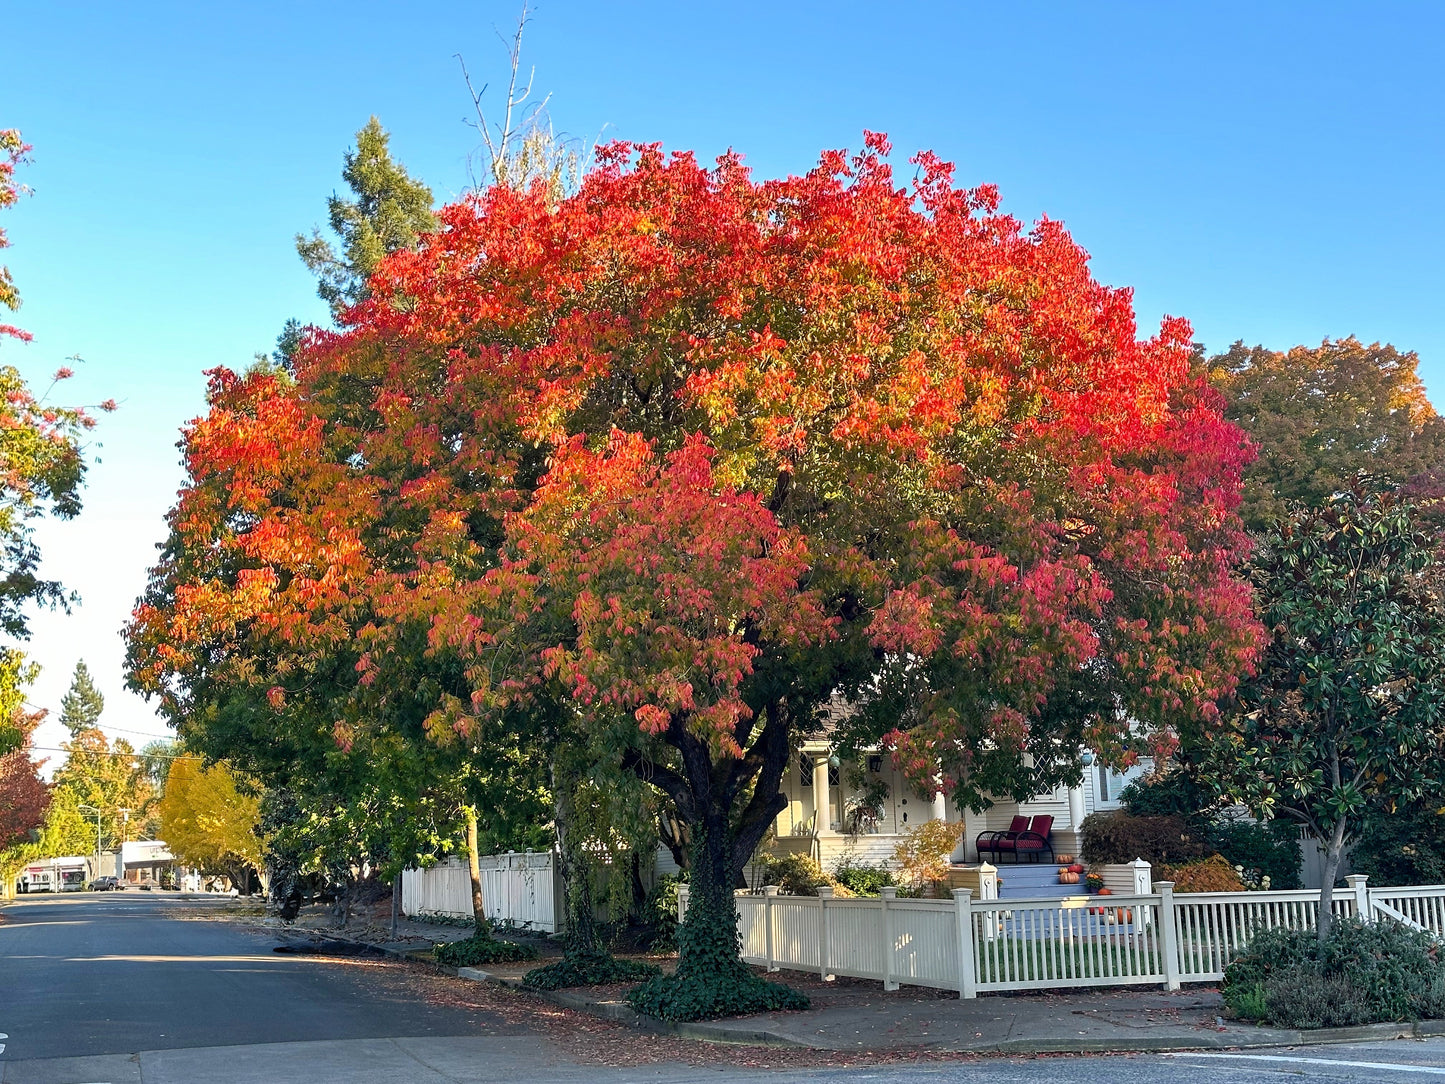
[[711, 979], [479, 909]]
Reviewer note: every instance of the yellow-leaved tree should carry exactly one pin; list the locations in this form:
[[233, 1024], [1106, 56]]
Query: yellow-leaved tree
[[211, 823]]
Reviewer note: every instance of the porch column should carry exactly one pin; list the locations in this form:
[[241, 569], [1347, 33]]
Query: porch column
[[821, 805], [1076, 807], [939, 811]]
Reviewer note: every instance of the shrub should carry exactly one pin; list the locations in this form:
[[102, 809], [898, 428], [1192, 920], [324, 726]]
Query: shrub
[[860, 878], [1264, 850], [1170, 793], [1213, 874], [799, 875], [1119, 837], [922, 854], [590, 969], [1303, 998], [660, 912], [482, 950], [1365, 973], [687, 997], [1401, 849]]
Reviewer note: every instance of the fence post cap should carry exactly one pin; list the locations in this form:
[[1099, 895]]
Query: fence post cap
[[1354, 880], [770, 890], [987, 868], [888, 892], [1139, 863], [1164, 886], [962, 893], [825, 892]]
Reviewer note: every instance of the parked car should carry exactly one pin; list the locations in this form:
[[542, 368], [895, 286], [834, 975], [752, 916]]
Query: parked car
[[105, 884]]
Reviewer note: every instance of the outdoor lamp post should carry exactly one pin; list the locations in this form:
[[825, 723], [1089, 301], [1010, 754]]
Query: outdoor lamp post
[[92, 809]]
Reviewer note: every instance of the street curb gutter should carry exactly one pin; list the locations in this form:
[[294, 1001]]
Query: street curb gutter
[[738, 1036]]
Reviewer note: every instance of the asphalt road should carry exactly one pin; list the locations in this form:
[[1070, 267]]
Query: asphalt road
[[141, 989]]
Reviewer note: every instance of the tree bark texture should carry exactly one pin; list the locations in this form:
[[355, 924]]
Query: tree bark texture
[[479, 909]]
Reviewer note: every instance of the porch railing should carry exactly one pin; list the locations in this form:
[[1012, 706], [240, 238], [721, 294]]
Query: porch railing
[[983, 946]]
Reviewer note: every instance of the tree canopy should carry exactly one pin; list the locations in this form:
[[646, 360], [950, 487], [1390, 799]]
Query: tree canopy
[[209, 822], [683, 457], [1321, 417]]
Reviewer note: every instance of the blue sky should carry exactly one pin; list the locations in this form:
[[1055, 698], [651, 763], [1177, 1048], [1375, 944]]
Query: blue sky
[[1273, 172]]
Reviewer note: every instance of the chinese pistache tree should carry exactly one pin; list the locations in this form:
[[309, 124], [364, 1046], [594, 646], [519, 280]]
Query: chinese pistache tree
[[684, 457], [1347, 712]]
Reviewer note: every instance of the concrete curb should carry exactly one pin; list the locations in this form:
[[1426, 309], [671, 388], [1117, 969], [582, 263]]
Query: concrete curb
[[741, 1036]]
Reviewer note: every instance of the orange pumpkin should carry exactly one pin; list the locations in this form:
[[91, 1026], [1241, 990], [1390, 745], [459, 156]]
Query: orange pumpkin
[[1106, 891], [1125, 915], [1068, 877], [1064, 859]]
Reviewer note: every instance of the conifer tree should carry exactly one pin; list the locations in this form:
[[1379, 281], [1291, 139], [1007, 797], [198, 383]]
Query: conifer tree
[[80, 708], [390, 212]]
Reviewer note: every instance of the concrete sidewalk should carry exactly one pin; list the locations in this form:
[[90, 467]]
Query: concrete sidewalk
[[858, 1016]]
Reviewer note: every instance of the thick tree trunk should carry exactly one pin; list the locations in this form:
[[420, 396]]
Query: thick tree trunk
[[707, 944], [725, 831], [479, 909], [1334, 855]]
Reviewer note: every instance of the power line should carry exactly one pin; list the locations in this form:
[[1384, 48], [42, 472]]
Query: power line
[[135, 756]]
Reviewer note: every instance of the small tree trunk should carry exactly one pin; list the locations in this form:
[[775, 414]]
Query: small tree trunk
[[395, 903], [479, 909], [1334, 855], [581, 935]]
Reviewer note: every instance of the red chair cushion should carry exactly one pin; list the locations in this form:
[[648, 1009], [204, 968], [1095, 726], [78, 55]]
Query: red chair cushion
[[1017, 825], [1043, 825]]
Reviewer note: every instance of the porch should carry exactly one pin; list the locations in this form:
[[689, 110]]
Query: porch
[[861, 810]]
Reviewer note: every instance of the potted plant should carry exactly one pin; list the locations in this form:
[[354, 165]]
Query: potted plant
[[1093, 882]]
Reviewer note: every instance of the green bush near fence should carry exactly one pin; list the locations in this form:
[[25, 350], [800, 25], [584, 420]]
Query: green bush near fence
[[862, 879], [1365, 973]]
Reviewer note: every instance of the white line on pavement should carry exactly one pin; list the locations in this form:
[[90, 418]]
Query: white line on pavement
[[1397, 1067]]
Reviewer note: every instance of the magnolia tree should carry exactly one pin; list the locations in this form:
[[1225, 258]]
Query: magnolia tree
[[1346, 712], [684, 457]]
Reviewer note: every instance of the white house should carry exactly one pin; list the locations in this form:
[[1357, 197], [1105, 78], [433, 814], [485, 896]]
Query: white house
[[821, 792]]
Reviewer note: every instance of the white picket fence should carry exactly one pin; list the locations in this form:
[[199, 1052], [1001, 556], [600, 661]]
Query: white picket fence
[[519, 888], [977, 946]]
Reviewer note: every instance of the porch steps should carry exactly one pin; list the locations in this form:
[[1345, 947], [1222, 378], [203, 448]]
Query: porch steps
[[1034, 880]]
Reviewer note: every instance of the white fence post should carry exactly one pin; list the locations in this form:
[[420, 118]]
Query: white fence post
[[824, 895], [681, 904], [1363, 911], [888, 894], [1142, 873], [963, 910], [1168, 934], [987, 882], [770, 892]]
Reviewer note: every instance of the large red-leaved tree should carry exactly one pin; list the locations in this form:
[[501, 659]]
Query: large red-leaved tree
[[686, 456]]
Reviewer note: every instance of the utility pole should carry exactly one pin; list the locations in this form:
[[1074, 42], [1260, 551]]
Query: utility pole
[[92, 809], [120, 851]]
